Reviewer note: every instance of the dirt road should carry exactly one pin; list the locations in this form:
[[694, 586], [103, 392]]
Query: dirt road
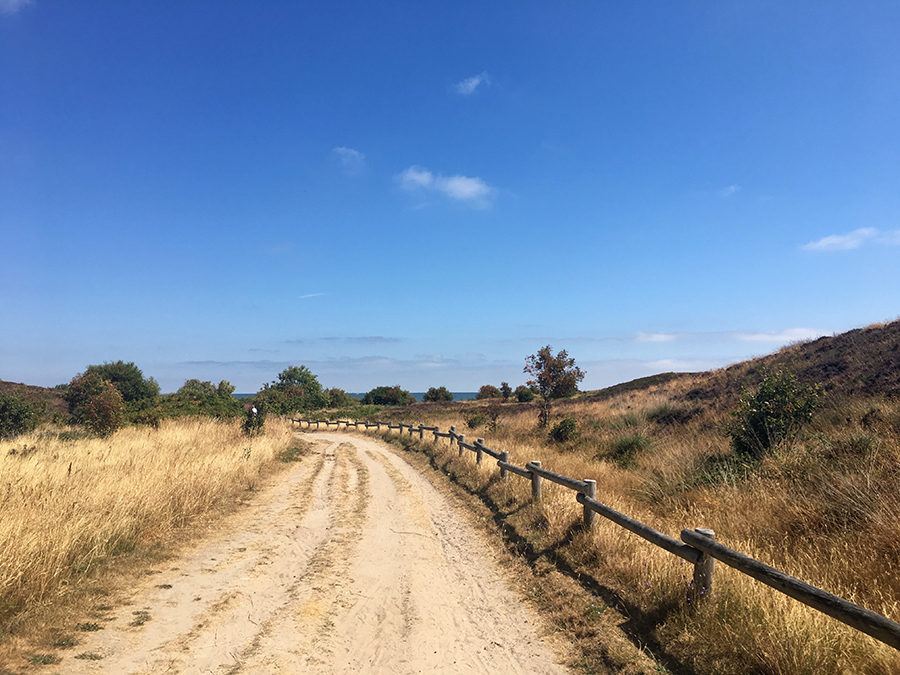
[[351, 563]]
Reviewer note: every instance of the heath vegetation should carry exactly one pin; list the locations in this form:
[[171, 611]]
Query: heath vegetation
[[793, 459]]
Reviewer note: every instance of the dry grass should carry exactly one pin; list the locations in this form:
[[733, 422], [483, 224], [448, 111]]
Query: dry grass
[[826, 510], [71, 503]]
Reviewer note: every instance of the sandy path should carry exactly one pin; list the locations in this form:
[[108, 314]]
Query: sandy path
[[352, 563]]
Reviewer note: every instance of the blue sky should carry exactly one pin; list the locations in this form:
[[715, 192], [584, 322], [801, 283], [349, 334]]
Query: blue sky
[[424, 193]]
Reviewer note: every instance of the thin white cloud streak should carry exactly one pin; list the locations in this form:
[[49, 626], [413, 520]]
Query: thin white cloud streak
[[655, 337], [787, 335], [351, 161], [312, 295], [12, 6], [855, 239], [468, 86], [472, 191]]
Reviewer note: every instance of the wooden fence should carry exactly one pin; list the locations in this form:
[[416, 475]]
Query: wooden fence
[[697, 546]]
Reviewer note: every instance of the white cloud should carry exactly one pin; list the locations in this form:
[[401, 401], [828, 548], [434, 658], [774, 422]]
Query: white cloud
[[473, 191], [415, 177], [787, 335], [464, 188], [12, 6], [729, 191], [654, 337], [468, 86], [352, 161], [844, 242]]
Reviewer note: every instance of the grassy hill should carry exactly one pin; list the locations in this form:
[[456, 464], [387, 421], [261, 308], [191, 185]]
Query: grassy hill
[[47, 402]]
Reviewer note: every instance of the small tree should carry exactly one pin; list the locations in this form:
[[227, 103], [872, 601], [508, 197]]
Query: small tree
[[16, 416], [554, 376], [435, 395], [505, 391], [773, 416], [488, 391]]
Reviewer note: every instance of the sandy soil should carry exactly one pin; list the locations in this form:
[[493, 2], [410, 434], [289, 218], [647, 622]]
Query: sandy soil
[[350, 563]]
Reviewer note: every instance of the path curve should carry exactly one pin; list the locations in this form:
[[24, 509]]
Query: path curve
[[352, 562]]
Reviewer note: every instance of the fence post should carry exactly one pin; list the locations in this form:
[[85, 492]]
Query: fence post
[[437, 430], [462, 439], [704, 570], [504, 472], [421, 431], [479, 453], [590, 491], [452, 433], [535, 484]]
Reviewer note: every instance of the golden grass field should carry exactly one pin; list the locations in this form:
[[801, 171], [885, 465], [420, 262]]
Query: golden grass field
[[71, 503]]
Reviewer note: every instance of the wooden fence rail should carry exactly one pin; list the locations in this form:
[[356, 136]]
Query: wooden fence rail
[[698, 546]]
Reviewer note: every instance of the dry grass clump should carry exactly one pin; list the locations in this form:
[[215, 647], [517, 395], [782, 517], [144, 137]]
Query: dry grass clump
[[71, 502], [825, 509]]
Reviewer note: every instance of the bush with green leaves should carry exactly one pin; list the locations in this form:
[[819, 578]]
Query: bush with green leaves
[[524, 394], [474, 418], [295, 390], [488, 391], [565, 430], [338, 398], [127, 378], [773, 415], [388, 396], [505, 391], [82, 389], [17, 416], [105, 411], [437, 394]]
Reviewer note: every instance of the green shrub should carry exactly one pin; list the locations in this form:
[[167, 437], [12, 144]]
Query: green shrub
[[505, 390], [388, 396], [82, 389], [434, 395], [488, 391], [474, 418], [624, 449], [105, 411], [773, 416], [524, 394], [565, 430], [128, 379], [16, 416], [338, 398]]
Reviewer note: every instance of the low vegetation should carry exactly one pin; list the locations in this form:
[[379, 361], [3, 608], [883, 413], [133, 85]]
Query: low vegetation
[[800, 476]]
